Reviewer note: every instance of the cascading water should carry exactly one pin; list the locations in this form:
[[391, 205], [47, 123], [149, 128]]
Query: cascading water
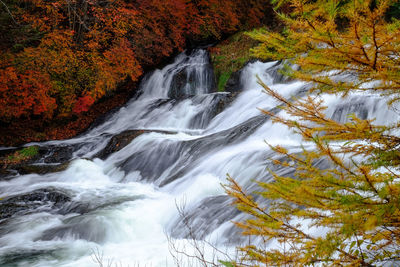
[[123, 206]]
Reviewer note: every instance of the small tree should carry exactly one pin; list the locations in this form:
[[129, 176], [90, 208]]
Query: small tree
[[356, 201]]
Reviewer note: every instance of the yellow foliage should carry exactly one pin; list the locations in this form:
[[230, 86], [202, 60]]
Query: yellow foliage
[[357, 202]]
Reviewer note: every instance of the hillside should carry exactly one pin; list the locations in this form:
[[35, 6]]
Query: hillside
[[65, 63]]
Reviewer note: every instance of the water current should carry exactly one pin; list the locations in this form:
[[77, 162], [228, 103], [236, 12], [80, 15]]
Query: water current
[[184, 138]]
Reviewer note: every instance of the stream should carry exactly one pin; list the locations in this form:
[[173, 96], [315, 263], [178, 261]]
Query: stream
[[161, 186]]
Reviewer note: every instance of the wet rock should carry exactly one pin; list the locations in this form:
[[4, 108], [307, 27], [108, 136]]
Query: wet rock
[[21, 257], [194, 149], [153, 165], [57, 154], [80, 227], [224, 102], [212, 212], [341, 113], [42, 168], [75, 207], [91, 206], [219, 102], [160, 102], [7, 174], [154, 162], [234, 84], [205, 218], [45, 154], [10, 158], [191, 78], [47, 199], [48, 159], [179, 81], [123, 139], [183, 155], [90, 224], [118, 142], [277, 72]]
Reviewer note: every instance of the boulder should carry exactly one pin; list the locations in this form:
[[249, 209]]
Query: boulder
[[42, 168], [121, 140], [47, 199], [234, 84]]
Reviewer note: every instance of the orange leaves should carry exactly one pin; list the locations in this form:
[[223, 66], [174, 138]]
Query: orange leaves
[[117, 64], [80, 50], [51, 14], [22, 94], [122, 59], [164, 27], [218, 16], [83, 104]]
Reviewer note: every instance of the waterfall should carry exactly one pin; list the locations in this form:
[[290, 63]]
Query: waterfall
[[185, 138]]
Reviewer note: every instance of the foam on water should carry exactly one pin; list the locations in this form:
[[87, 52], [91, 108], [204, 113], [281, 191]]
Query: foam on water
[[125, 206]]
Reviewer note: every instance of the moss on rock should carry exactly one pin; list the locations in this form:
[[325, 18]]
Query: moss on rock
[[21, 155], [230, 56]]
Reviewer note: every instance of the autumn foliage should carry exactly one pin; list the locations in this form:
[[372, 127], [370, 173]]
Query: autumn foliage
[[353, 202], [26, 93], [59, 57]]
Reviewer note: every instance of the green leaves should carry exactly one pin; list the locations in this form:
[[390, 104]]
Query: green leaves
[[227, 263]]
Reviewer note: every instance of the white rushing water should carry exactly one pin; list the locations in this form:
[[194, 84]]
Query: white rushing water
[[124, 207]]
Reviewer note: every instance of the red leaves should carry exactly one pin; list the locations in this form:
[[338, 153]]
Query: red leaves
[[83, 104], [88, 47], [116, 65], [22, 94]]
